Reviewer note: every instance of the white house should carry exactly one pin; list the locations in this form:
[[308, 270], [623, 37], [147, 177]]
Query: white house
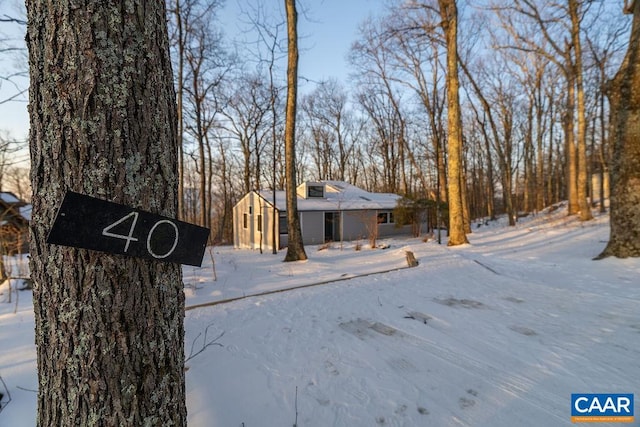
[[329, 211]]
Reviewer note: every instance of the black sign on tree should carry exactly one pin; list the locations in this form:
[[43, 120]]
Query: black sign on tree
[[89, 223]]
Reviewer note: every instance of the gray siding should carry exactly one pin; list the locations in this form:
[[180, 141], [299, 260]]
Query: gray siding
[[353, 224], [312, 227]]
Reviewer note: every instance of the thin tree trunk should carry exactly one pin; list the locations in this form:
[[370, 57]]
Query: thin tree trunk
[[179, 97], [466, 215], [295, 247], [449, 13], [209, 185], [570, 145], [274, 137], [540, 169], [582, 185], [202, 165], [109, 329], [529, 176], [551, 171], [604, 168]]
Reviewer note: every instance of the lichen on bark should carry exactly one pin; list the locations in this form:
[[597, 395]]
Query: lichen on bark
[[109, 329], [624, 97]]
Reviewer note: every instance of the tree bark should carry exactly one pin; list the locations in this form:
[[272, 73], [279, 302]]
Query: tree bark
[[179, 105], [449, 13], [109, 329], [295, 247], [570, 145], [624, 97], [582, 186]]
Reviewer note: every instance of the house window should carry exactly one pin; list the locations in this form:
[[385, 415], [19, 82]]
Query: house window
[[259, 222], [315, 191], [385, 218], [245, 220], [282, 224]]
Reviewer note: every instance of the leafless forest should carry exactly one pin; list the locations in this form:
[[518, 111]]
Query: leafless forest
[[533, 94]]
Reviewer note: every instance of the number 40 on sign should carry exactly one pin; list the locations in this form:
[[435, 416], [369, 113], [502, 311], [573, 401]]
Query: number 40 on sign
[[90, 223]]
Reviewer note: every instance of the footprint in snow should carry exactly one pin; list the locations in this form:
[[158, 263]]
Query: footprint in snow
[[422, 410], [330, 368], [315, 392], [523, 330], [465, 402]]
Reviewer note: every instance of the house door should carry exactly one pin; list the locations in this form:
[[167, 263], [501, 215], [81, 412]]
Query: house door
[[332, 226]]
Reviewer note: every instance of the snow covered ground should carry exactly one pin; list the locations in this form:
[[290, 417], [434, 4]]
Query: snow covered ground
[[496, 333]]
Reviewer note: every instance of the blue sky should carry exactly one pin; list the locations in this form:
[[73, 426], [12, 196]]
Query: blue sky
[[326, 28], [14, 119], [330, 36]]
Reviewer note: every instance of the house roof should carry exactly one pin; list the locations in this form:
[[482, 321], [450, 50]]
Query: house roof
[[338, 196], [9, 198], [25, 211], [10, 203]]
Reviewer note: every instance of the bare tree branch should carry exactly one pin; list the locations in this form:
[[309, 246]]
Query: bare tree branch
[[7, 18]]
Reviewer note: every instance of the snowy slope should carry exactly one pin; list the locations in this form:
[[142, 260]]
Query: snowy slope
[[496, 333]]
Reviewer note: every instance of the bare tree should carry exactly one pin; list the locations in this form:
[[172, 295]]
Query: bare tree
[[604, 46], [246, 114], [575, 13], [201, 65], [16, 180], [555, 33], [109, 330], [381, 99], [267, 51], [9, 148], [295, 247], [206, 67], [328, 121], [13, 69], [457, 236], [416, 49], [497, 100], [180, 13]]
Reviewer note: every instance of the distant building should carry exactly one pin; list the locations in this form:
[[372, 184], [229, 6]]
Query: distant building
[[15, 215], [330, 211]]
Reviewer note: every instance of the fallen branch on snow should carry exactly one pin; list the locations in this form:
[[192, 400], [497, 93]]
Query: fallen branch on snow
[[4, 405], [205, 344]]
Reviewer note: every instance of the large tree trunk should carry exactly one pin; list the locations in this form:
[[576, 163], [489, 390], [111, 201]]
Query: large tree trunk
[[624, 96], [449, 13], [295, 247], [109, 329]]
